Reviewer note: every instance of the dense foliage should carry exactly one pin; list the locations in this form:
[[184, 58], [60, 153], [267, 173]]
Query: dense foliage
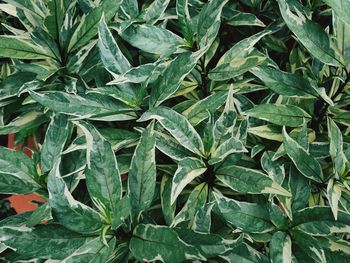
[[175, 131]]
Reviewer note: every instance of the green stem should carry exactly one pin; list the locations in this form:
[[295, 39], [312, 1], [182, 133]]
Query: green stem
[[204, 77]]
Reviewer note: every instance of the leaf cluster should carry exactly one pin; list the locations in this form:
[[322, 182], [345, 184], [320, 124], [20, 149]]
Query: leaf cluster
[[177, 131]]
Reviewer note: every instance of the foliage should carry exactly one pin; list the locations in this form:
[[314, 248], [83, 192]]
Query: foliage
[[175, 131]]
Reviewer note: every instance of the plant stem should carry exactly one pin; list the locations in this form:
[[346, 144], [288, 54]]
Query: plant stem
[[203, 77]]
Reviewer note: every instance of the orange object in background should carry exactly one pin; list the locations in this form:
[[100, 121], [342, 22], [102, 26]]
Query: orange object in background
[[23, 203]]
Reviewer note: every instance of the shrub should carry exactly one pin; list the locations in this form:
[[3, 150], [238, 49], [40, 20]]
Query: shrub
[[177, 130]]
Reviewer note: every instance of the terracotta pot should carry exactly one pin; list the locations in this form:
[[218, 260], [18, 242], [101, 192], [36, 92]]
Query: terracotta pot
[[23, 203]]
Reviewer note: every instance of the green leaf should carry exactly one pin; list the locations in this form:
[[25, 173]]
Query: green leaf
[[41, 215], [142, 173], [87, 106], [93, 251], [336, 148], [333, 195], [88, 25], [243, 47], [169, 81], [301, 135], [69, 212], [34, 7], [10, 86], [3, 247], [226, 148], [124, 161], [244, 253], [274, 43], [129, 94], [242, 131], [283, 115], [170, 147], [334, 248], [17, 173], [303, 161], [154, 11], [320, 221], [199, 111], [51, 241], [209, 22], [202, 220], [194, 203], [209, 245], [178, 126], [130, 7], [119, 138], [281, 248], [55, 139], [161, 243], [16, 222], [278, 215], [249, 217], [16, 47], [340, 7], [287, 84], [121, 212], [27, 14], [122, 253], [102, 174], [342, 117], [224, 125], [208, 137], [342, 34], [143, 73], [188, 169], [257, 149], [26, 121], [269, 132], [111, 56], [275, 169], [165, 195], [153, 39], [183, 15], [240, 18], [309, 245], [309, 33], [236, 67], [245, 180], [300, 189], [46, 42], [239, 59], [54, 21]]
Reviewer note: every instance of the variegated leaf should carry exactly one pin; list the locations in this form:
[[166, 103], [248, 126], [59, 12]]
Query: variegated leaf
[[188, 169], [245, 180], [178, 126]]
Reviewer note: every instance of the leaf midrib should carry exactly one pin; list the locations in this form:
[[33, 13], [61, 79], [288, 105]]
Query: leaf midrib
[[30, 52]]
